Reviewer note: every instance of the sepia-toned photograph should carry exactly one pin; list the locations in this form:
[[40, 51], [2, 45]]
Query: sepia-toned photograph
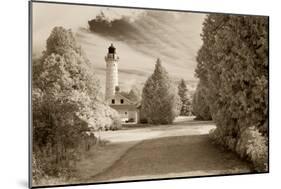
[[122, 94]]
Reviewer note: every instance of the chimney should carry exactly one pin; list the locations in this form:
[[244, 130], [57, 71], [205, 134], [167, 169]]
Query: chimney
[[117, 89]]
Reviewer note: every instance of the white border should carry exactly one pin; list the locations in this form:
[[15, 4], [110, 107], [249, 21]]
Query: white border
[[14, 92]]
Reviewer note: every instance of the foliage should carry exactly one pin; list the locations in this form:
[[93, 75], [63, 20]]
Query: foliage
[[200, 107], [253, 145], [233, 71], [183, 92], [134, 94], [64, 66], [57, 133], [104, 118], [37, 171], [61, 41], [160, 101], [65, 97]]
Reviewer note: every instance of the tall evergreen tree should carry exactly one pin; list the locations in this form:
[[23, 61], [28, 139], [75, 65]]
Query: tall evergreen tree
[[233, 70], [182, 89], [160, 101], [200, 106], [186, 108]]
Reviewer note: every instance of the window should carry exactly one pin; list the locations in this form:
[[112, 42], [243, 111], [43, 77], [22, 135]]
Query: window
[[121, 101], [112, 101]]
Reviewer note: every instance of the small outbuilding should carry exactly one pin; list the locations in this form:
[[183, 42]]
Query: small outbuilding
[[129, 111]]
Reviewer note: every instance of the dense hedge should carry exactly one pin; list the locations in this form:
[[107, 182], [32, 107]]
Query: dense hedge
[[233, 70]]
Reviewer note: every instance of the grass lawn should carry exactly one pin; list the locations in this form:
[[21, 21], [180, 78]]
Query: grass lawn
[[145, 152], [175, 156], [99, 159]]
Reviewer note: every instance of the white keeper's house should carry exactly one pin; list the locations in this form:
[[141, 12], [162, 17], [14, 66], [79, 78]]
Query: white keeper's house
[[129, 111]]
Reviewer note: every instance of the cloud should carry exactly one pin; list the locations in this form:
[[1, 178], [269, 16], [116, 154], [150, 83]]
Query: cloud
[[172, 36], [140, 37], [46, 16]]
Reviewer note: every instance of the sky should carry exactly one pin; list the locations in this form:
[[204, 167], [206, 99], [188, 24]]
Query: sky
[[139, 35]]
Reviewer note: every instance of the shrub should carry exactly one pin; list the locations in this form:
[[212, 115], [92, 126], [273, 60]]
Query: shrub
[[104, 117], [117, 124], [254, 147], [220, 138], [250, 145]]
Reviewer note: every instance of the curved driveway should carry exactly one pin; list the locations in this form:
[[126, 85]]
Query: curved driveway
[[183, 149]]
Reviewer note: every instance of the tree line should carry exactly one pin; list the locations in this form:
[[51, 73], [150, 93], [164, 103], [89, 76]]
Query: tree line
[[233, 88]]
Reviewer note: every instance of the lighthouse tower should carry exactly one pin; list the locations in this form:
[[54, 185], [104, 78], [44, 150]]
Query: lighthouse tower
[[111, 60]]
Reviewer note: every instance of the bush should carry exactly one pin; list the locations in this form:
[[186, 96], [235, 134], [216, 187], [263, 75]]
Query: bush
[[227, 141], [117, 124], [104, 117], [254, 146], [250, 145]]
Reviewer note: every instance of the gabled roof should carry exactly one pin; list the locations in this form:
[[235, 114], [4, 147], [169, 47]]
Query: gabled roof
[[121, 96], [128, 104], [118, 96]]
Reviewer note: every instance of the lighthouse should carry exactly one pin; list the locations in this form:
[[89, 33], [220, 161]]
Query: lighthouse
[[128, 110], [111, 84]]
